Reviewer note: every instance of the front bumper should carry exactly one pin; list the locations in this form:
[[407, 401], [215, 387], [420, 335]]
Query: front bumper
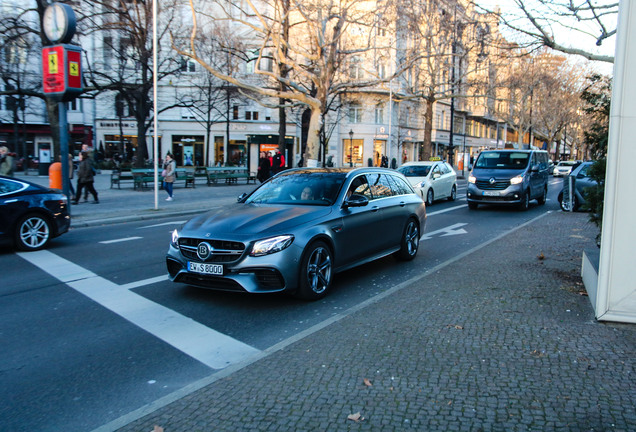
[[513, 194], [265, 274]]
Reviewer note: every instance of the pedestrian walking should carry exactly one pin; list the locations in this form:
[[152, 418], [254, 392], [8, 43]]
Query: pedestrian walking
[[85, 178], [264, 168], [169, 168], [278, 162], [71, 169], [6, 162], [385, 162]]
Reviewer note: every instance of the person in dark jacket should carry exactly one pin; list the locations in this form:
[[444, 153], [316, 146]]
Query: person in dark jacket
[[264, 168], [85, 178]]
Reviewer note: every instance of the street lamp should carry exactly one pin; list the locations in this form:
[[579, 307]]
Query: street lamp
[[351, 148]]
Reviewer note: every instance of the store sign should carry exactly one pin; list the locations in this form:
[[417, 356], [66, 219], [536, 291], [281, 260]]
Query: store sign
[[62, 71]]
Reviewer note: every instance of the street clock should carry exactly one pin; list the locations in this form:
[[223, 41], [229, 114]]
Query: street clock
[[59, 23]]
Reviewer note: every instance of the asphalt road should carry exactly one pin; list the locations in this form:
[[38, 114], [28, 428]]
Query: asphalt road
[[92, 329]]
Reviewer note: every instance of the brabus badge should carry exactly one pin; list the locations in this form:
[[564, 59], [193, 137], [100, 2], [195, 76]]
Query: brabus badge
[[204, 250]]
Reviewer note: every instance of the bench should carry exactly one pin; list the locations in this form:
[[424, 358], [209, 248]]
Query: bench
[[231, 175], [186, 175], [142, 176], [117, 177]]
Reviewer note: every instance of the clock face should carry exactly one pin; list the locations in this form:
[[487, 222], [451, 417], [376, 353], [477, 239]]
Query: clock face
[[59, 22]]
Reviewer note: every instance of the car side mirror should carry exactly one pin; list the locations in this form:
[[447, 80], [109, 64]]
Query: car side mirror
[[436, 175], [356, 201], [535, 168], [241, 197]]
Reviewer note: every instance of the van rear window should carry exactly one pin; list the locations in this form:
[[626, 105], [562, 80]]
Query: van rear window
[[502, 160]]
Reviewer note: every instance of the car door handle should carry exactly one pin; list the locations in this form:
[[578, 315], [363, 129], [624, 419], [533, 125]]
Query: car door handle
[[402, 203], [375, 208]]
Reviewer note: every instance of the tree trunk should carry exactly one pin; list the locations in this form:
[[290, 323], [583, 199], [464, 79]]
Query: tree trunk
[[313, 138], [427, 150]]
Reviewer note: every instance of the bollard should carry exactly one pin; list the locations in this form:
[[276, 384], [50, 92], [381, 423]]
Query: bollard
[[55, 176]]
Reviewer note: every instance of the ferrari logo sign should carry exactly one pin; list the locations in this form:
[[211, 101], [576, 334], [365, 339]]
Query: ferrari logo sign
[[53, 62], [73, 69], [62, 71]]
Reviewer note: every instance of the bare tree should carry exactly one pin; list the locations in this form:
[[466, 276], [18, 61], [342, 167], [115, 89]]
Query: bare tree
[[126, 67], [552, 23], [454, 42], [323, 36]]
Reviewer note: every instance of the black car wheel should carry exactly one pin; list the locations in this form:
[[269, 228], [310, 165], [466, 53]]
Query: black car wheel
[[410, 241], [315, 272], [453, 193], [33, 232], [565, 205], [525, 201], [544, 197], [430, 197]]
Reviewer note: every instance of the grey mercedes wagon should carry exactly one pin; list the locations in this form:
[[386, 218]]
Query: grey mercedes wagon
[[298, 229]]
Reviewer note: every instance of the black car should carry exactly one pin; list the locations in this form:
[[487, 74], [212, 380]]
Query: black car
[[578, 180], [31, 215]]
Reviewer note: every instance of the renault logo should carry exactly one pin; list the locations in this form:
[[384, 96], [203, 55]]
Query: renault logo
[[492, 180], [204, 250]]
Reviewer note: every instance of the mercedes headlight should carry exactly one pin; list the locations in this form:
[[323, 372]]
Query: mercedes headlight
[[271, 245], [175, 238]]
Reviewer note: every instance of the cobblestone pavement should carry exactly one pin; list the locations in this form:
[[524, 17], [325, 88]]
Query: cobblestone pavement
[[503, 339]]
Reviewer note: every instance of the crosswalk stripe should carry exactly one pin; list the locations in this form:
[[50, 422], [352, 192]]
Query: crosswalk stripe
[[202, 343]]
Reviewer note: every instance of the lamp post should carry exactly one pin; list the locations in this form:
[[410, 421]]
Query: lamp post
[[351, 148]]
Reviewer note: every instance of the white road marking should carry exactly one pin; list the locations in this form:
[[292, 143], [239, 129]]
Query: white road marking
[[164, 223], [445, 210], [208, 346], [144, 282], [120, 240], [448, 231]]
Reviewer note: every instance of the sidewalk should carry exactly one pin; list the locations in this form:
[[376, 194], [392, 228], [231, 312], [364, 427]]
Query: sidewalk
[[478, 344], [127, 204]]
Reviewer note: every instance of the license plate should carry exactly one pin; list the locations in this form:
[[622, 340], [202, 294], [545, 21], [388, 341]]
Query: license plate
[[491, 193], [213, 269]]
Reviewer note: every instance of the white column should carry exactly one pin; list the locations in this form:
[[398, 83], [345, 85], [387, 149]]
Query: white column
[[616, 295]]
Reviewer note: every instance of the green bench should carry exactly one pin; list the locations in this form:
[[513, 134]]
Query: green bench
[[143, 176], [231, 175], [119, 177]]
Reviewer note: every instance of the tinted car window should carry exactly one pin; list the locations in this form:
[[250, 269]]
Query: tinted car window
[[415, 170], [380, 186], [400, 186], [360, 186], [502, 160], [311, 188], [7, 186]]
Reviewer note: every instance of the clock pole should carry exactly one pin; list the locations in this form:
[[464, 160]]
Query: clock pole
[[61, 75]]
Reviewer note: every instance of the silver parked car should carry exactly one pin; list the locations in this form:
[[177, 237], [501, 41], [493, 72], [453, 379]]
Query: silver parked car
[[298, 229]]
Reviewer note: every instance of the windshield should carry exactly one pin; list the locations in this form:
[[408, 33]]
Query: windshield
[[502, 160], [299, 188], [415, 170]]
